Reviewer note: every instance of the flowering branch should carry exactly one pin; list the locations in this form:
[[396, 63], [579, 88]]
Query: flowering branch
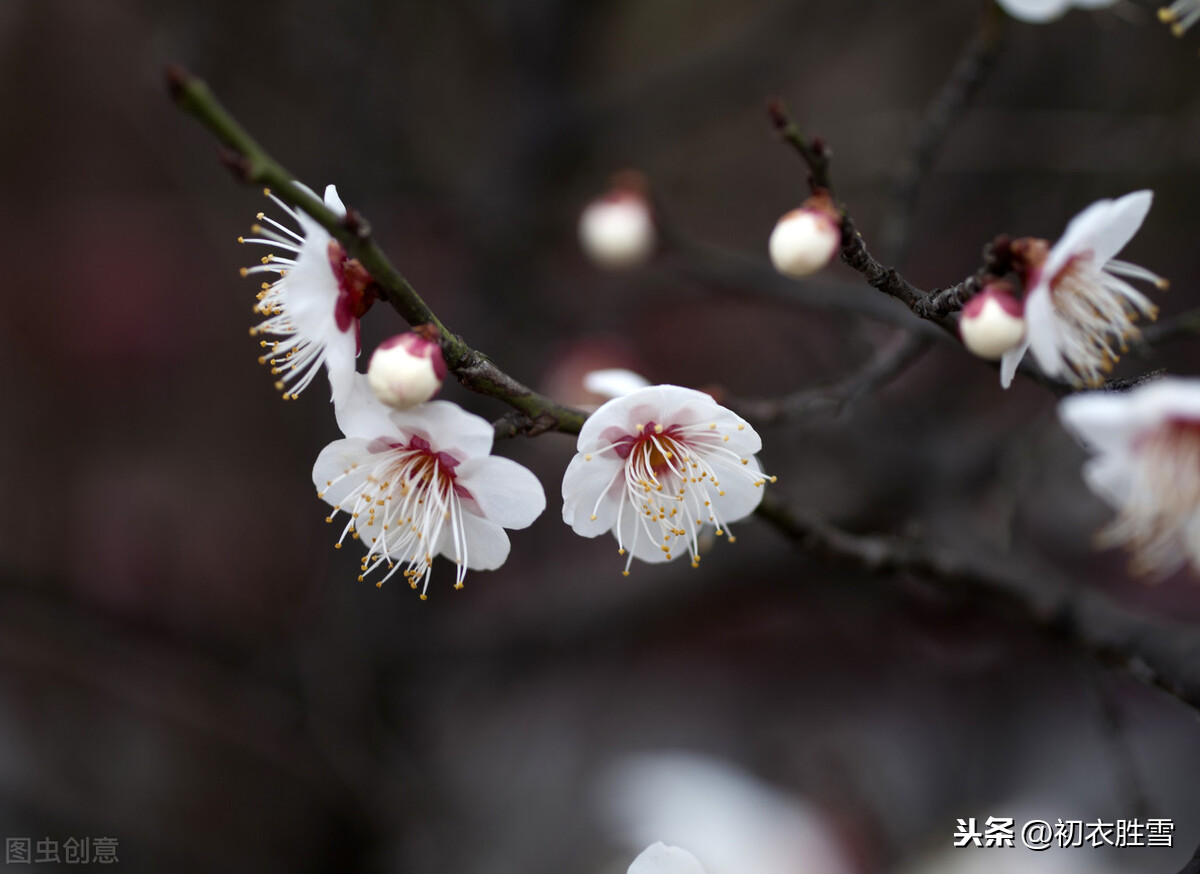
[[252, 164], [1161, 652]]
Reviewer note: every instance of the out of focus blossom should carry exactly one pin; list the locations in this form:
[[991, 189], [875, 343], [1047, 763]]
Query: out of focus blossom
[[658, 858], [1180, 15], [617, 230], [1146, 464], [1042, 11], [658, 464], [314, 306], [732, 821], [1079, 310], [421, 483]]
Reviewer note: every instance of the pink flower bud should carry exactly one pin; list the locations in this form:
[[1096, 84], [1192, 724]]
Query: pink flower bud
[[406, 370], [992, 322], [806, 239], [617, 229]]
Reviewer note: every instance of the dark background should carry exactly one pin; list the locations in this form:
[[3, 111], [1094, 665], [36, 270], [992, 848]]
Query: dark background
[[187, 665]]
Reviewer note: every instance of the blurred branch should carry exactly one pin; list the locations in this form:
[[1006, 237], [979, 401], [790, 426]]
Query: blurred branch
[[1185, 324], [877, 372], [1159, 651], [251, 164], [977, 60]]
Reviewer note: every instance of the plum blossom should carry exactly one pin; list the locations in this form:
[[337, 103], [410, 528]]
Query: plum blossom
[[1146, 465], [616, 230], [314, 306], [806, 239], [658, 858], [1042, 11], [1079, 312], [992, 322], [421, 483], [658, 464]]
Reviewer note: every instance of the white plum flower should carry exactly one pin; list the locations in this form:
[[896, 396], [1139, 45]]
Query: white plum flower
[[1042, 11], [1146, 465], [613, 382], [658, 858], [314, 307], [1180, 15], [1079, 312], [658, 464], [421, 483]]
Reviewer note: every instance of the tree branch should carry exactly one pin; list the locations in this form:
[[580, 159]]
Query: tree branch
[[251, 164], [1162, 652]]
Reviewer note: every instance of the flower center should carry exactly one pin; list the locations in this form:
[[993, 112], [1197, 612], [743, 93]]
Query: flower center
[[356, 289]]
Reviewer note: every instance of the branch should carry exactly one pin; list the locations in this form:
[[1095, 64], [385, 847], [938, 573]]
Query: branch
[[877, 372], [252, 165], [1162, 652], [977, 60]]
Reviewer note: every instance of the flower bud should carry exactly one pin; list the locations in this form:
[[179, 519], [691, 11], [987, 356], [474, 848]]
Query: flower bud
[[406, 370], [617, 229], [992, 322], [806, 239]]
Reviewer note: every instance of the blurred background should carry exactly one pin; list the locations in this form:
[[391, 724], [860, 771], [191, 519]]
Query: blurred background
[[189, 667]]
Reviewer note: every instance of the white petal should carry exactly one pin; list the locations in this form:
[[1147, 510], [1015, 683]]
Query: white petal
[[1010, 361], [661, 859], [645, 541], [741, 496], [581, 489], [614, 382], [1041, 331], [507, 493], [664, 404], [332, 464], [360, 414], [487, 544], [448, 428], [1035, 11], [1102, 229], [333, 201], [1111, 477], [1100, 419]]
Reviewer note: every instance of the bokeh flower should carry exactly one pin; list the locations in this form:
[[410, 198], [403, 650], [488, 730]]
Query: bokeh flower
[[658, 858], [1042, 11], [1146, 464]]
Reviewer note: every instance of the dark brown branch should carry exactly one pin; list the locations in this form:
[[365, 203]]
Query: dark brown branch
[[1162, 652], [251, 164], [877, 372]]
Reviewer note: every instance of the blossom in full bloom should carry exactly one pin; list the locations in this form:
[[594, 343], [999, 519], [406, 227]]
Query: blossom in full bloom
[[313, 308], [992, 322], [806, 239], [1180, 15], [406, 370], [658, 464], [658, 858], [1041, 11], [1079, 311], [617, 229], [421, 483], [1146, 464]]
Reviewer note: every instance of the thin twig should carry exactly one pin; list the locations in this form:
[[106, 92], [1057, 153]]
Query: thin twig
[[253, 165]]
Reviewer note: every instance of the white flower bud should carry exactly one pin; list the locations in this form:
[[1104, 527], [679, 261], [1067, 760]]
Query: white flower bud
[[992, 322], [406, 370], [617, 230], [806, 239]]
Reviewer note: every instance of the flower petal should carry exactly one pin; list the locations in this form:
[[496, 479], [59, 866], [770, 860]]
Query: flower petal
[[448, 428], [333, 201], [1011, 360], [1103, 229], [487, 544], [592, 488], [742, 496], [359, 413], [661, 859], [1035, 11], [507, 493]]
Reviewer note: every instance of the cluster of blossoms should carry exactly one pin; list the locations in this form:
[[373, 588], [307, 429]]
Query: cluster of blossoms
[[415, 477]]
